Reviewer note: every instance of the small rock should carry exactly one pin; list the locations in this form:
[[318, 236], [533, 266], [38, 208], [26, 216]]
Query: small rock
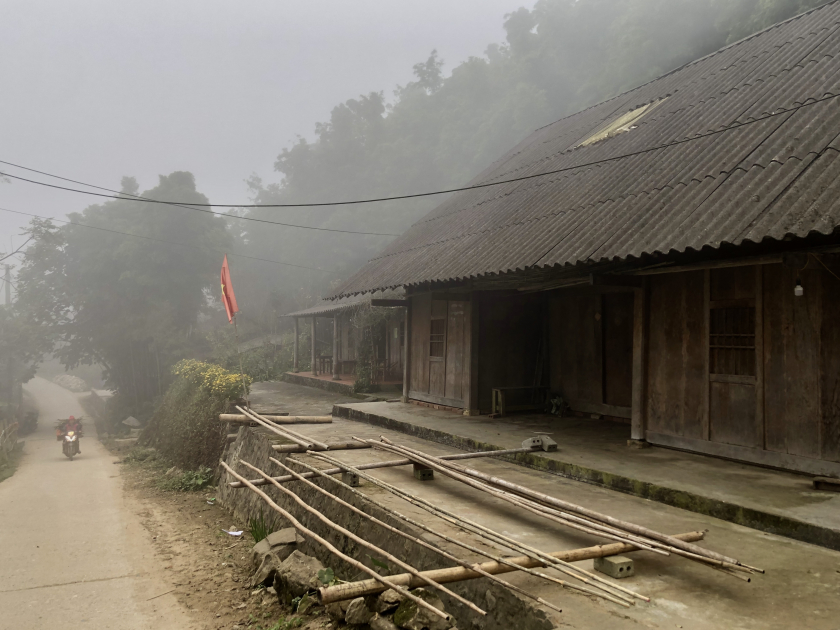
[[270, 590], [306, 604], [296, 575], [357, 613], [282, 543], [386, 601], [491, 600], [337, 610], [411, 616], [381, 623]]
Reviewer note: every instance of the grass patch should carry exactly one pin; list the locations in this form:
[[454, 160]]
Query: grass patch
[[186, 480], [258, 527], [9, 464]]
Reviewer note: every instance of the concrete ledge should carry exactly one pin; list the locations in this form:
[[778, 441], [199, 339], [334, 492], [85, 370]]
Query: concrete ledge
[[337, 387], [741, 515]]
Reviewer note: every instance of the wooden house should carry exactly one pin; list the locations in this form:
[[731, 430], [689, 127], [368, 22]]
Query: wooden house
[[669, 259], [335, 352]]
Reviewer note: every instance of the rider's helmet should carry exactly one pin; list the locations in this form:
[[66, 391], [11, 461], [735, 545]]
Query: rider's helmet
[[71, 418]]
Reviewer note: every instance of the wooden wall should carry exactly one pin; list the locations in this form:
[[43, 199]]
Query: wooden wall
[[443, 379], [788, 403]]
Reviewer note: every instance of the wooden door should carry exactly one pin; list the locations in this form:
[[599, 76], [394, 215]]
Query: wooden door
[[734, 343], [618, 349]]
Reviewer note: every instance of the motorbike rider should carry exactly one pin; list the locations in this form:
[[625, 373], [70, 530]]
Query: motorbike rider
[[71, 424]]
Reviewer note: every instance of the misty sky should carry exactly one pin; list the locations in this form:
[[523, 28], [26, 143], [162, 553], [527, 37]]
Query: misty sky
[[100, 89]]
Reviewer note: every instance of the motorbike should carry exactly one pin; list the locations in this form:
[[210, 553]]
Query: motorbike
[[70, 445], [68, 433]]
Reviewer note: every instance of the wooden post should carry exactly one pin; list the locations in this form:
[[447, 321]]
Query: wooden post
[[336, 336], [759, 352], [406, 351], [637, 415], [314, 367], [296, 367], [707, 323]]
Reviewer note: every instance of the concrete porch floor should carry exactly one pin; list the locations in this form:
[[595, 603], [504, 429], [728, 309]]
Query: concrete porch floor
[[596, 451], [799, 590]]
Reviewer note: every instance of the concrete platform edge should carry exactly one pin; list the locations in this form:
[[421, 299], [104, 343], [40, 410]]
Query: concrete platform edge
[[738, 514], [331, 386]]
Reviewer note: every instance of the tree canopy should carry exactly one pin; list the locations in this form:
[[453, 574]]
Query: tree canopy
[[440, 131]]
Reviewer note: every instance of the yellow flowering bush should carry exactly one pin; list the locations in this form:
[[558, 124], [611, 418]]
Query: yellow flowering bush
[[212, 378], [185, 428]]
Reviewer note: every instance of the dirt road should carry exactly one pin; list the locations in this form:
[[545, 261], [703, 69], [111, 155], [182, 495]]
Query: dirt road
[[72, 553]]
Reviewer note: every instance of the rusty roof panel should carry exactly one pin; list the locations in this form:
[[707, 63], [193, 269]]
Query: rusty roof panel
[[745, 147]]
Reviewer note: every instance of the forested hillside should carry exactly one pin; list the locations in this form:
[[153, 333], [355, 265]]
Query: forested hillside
[[444, 127]]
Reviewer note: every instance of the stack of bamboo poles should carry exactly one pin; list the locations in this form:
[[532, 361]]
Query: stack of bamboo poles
[[569, 514], [625, 536]]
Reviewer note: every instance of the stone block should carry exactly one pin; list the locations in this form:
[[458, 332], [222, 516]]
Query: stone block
[[423, 473], [296, 575], [351, 479], [357, 613], [615, 566], [410, 616]]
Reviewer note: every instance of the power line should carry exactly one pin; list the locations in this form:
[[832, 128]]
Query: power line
[[159, 240], [419, 195], [201, 207], [16, 251]]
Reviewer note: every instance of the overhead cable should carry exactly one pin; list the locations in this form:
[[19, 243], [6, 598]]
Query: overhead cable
[[513, 180], [159, 240]]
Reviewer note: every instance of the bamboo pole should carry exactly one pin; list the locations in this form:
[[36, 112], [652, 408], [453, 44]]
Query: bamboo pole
[[588, 527], [388, 464], [351, 590], [303, 440], [484, 532], [572, 571], [625, 525], [412, 571], [333, 446], [468, 565], [238, 418], [352, 562]]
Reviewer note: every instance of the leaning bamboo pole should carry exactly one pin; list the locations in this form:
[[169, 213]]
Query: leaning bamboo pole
[[495, 537], [294, 436], [468, 565], [584, 576], [412, 571], [351, 590], [589, 527], [333, 446], [352, 562], [388, 464], [625, 525], [239, 418]]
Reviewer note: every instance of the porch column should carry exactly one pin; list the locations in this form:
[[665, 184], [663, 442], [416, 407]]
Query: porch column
[[297, 343], [407, 351], [637, 412], [314, 360], [336, 336]]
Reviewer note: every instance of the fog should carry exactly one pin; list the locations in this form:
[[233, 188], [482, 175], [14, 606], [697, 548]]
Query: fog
[[95, 90]]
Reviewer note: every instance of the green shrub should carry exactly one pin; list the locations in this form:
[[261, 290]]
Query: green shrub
[[187, 480], [258, 527], [185, 428]]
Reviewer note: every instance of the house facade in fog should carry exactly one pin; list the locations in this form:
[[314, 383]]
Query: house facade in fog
[[669, 259]]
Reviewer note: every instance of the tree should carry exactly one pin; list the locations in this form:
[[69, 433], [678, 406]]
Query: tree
[[129, 304]]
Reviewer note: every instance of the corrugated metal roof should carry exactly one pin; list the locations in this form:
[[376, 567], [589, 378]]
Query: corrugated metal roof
[[328, 307], [745, 148]]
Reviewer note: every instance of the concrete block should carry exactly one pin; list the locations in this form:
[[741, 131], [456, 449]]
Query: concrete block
[[423, 473], [351, 479], [615, 566]]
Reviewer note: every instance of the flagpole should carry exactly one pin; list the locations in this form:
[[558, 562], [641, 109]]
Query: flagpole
[[241, 371]]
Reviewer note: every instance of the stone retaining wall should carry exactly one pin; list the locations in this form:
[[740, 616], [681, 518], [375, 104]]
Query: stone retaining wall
[[505, 609]]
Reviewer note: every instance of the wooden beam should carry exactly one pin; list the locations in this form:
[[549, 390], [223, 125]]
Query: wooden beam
[[637, 409], [296, 367], [238, 418], [314, 366], [390, 303], [602, 409], [336, 336], [406, 354], [625, 282]]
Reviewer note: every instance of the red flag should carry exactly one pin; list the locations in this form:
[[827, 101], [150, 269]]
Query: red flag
[[228, 298]]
